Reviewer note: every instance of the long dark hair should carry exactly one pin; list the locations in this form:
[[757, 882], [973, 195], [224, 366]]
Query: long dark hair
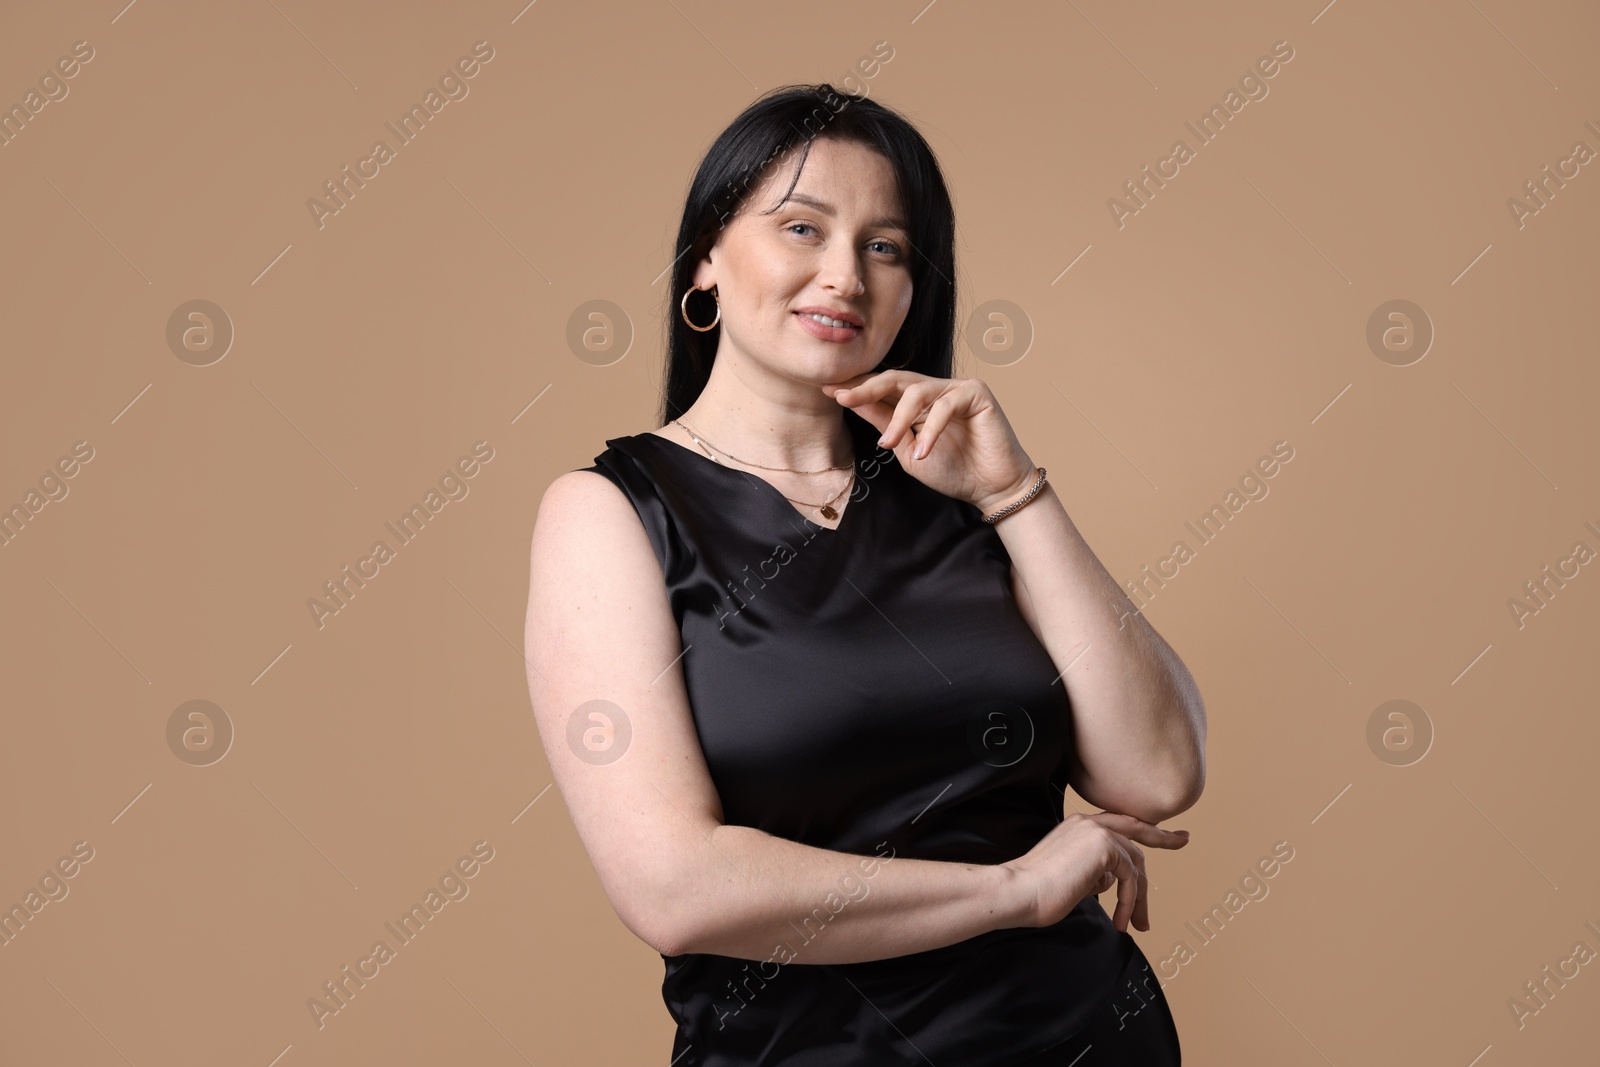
[[734, 166]]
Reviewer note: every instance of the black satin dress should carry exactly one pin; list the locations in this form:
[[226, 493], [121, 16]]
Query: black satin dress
[[870, 689]]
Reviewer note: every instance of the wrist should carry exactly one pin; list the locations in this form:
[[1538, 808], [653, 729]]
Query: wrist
[[993, 502], [1015, 902]]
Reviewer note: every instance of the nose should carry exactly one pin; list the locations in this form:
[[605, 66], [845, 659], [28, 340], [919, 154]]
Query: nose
[[841, 272]]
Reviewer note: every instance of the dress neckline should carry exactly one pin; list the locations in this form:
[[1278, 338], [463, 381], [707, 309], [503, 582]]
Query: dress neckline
[[765, 487]]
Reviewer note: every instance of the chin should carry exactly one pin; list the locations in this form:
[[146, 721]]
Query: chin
[[818, 367]]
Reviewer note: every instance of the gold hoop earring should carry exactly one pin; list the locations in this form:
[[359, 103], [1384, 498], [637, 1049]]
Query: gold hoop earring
[[683, 306]]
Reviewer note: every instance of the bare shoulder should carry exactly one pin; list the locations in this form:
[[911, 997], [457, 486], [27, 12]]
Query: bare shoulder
[[571, 494], [581, 505], [590, 548], [603, 653]]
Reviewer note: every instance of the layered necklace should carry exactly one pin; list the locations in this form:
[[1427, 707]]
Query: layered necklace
[[827, 509]]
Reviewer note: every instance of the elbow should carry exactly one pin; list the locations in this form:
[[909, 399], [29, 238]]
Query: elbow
[[660, 928], [1151, 810], [1191, 783], [1180, 804], [1186, 774], [681, 931], [661, 912], [665, 938], [1155, 804], [1158, 798]]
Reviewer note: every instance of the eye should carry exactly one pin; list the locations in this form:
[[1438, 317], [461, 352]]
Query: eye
[[806, 225], [890, 248]]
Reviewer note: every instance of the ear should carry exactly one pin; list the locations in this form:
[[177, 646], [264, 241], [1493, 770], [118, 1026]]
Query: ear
[[705, 272]]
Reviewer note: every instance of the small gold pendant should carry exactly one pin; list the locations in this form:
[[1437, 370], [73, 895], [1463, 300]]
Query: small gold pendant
[[828, 512]]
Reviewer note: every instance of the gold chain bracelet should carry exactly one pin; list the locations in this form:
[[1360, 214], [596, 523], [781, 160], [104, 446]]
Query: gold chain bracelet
[[1038, 484]]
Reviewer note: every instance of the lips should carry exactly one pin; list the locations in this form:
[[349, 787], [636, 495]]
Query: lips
[[833, 313], [839, 335]]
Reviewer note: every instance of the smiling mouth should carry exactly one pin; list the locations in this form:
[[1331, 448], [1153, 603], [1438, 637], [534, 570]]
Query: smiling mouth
[[826, 321]]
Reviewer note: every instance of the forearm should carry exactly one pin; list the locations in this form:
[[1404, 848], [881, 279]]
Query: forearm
[[771, 898], [1138, 718]]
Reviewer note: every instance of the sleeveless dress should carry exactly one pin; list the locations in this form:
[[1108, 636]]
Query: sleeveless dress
[[871, 689]]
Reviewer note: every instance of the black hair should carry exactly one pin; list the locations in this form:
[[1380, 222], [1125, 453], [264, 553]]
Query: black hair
[[777, 122]]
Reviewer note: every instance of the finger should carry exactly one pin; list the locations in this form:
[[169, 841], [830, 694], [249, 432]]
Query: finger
[[939, 416], [1156, 837], [914, 399], [1131, 895], [1138, 830], [1141, 907], [1141, 903], [1121, 871], [878, 413], [1127, 891], [835, 388], [874, 386]]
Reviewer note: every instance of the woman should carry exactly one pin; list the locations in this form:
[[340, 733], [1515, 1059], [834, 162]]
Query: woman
[[799, 657]]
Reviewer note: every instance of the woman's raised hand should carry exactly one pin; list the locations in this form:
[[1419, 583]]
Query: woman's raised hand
[[1088, 854], [948, 433]]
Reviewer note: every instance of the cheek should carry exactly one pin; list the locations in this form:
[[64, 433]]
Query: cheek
[[900, 301], [774, 278], [788, 272]]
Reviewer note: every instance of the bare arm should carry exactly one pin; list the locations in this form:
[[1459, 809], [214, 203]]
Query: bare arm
[[772, 893], [1139, 721], [599, 628]]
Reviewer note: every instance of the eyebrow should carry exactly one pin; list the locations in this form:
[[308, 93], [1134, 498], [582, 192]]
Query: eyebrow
[[827, 209]]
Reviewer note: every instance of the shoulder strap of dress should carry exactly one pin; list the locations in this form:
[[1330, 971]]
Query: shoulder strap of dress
[[619, 464]]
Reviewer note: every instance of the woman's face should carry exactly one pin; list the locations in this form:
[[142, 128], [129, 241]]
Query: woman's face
[[838, 244]]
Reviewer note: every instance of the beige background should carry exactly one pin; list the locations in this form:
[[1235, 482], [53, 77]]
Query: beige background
[[432, 312]]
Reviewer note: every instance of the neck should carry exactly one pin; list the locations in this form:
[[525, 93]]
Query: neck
[[777, 422]]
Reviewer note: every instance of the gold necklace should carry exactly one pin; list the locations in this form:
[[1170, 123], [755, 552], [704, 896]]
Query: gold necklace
[[827, 509]]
